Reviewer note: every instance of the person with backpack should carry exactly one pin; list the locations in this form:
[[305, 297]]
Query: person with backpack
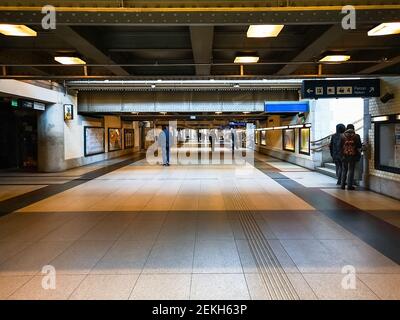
[[335, 148], [351, 153]]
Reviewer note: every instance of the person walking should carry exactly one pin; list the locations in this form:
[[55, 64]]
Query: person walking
[[165, 145], [336, 151], [351, 153]]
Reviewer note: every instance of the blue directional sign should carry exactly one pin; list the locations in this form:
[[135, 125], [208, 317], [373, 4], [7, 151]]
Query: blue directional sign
[[287, 106], [324, 89]]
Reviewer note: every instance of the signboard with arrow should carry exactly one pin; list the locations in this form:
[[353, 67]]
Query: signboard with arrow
[[325, 89]]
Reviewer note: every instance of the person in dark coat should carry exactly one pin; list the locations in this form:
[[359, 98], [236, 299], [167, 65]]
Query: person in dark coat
[[336, 150], [351, 153], [164, 140]]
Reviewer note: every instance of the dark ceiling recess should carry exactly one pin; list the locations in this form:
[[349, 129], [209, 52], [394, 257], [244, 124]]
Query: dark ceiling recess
[[196, 40]]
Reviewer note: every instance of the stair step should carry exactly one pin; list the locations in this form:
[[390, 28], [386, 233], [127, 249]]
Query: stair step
[[326, 171], [330, 165]]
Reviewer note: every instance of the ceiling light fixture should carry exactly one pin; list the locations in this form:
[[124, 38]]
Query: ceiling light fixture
[[17, 30], [69, 60], [246, 59], [335, 58], [218, 112], [385, 29], [264, 31], [380, 119]]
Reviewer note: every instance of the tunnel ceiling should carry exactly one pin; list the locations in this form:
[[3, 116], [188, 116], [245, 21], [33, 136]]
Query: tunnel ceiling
[[196, 39]]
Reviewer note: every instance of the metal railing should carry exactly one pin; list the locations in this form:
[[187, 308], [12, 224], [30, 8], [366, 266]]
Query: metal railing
[[323, 143]]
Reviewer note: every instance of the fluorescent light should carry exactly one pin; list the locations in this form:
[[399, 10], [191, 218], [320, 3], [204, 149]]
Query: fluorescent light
[[295, 126], [308, 125], [69, 60], [335, 58], [246, 112], [398, 117], [246, 59], [264, 31], [218, 112], [282, 127], [385, 29], [380, 119], [17, 30]]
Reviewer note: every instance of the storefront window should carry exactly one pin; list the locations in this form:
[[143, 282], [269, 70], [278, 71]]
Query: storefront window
[[387, 146]]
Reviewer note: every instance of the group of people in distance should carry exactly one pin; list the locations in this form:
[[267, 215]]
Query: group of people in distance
[[345, 148]]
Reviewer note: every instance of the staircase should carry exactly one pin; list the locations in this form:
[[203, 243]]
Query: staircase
[[327, 169]]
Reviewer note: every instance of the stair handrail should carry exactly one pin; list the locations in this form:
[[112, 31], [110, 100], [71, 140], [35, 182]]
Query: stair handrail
[[330, 135]]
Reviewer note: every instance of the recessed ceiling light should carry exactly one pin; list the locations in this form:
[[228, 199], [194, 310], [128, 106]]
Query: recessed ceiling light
[[69, 60], [218, 112], [153, 86], [246, 59], [335, 58], [246, 112], [17, 30], [385, 29], [264, 31]]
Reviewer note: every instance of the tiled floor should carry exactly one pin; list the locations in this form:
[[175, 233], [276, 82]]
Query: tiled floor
[[151, 232]]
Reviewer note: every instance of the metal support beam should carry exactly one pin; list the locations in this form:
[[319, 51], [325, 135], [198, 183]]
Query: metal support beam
[[87, 49], [381, 66], [202, 44], [314, 49], [373, 14]]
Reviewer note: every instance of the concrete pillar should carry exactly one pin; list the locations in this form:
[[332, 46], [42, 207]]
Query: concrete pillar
[[51, 139]]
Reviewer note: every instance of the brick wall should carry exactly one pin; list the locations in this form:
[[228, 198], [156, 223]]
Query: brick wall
[[377, 108]]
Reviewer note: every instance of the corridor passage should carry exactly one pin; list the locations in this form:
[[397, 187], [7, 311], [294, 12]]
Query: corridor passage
[[123, 229]]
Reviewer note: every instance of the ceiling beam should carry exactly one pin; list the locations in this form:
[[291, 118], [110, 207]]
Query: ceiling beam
[[89, 50], [314, 49], [202, 38], [381, 66], [212, 14]]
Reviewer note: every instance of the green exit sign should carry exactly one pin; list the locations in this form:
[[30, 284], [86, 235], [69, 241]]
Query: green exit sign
[[14, 103]]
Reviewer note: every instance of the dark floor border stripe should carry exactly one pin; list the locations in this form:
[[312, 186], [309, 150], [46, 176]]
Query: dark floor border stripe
[[376, 232], [10, 205]]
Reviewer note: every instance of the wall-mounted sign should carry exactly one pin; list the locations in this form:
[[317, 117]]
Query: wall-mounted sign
[[129, 138], [68, 112], [325, 89], [26, 104], [287, 107], [39, 106], [114, 139], [288, 140], [14, 103], [94, 141], [304, 141]]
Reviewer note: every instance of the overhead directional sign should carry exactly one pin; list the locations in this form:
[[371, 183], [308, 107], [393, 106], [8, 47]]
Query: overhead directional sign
[[324, 89]]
